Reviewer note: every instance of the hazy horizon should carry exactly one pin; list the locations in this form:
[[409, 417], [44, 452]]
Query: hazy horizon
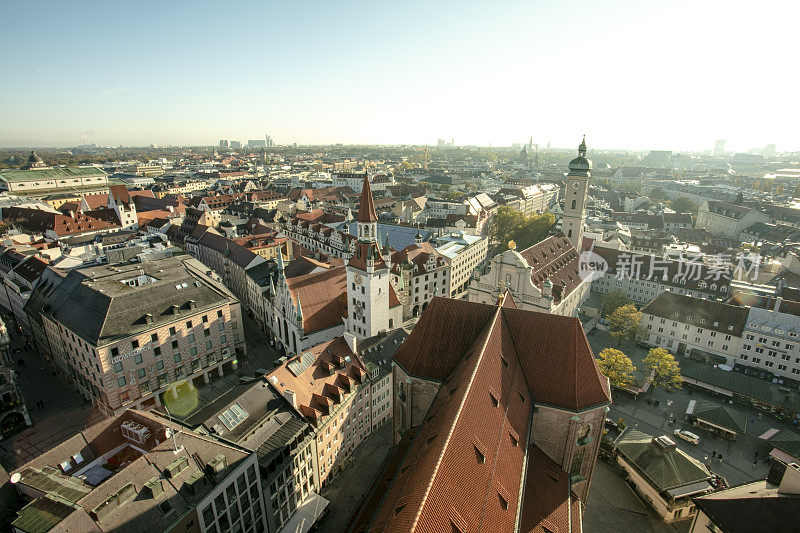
[[631, 75]]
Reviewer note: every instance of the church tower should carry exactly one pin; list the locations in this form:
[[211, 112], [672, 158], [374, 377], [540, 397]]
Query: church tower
[[367, 275], [575, 196]]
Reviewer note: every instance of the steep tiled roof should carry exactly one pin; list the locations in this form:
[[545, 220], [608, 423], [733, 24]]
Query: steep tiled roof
[[544, 506], [557, 259], [366, 208], [323, 298]]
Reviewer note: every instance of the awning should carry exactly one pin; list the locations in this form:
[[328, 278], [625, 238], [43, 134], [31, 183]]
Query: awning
[[692, 488], [768, 434], [305, 515]]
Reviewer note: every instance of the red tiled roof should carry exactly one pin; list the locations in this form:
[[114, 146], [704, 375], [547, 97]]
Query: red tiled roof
[[557, 259], [418, 255], [557, 360], [323, 298], [466, 464], [544, 505], [96, 201], [362, 252], [366, 209]]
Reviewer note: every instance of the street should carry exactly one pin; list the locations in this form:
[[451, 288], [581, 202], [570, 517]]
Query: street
[[64, 413], [349, 485], [736, 464]]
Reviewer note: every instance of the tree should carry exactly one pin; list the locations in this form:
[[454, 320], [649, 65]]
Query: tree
[[616, 366], [614, 300], [624, 322], [657, 193], [664, 370], [683, 204]]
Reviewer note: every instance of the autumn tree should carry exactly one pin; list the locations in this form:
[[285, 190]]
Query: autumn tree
[[624, 322], [613, 300], [616, 366], [664, 370]]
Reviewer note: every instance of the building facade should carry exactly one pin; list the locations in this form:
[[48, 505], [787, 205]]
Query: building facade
[[125, 335]]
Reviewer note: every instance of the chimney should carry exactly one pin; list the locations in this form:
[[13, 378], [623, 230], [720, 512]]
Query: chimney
[[291, 397], [790, 483], [778, 302]]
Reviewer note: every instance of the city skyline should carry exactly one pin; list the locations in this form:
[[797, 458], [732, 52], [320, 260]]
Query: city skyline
[[367, 74]]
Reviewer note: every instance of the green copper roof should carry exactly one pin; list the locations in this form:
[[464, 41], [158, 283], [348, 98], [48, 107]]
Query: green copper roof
[[50, 173]]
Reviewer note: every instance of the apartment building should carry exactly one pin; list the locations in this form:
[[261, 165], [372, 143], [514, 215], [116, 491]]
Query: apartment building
[[136, 472], [642, 277], [418, 273], [723, 219], [254, 416], [466, 253], [329, 387], [694, 327], [126, 334], [771, 344]]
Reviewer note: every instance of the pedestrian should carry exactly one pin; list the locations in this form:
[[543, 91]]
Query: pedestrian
[[755, 463], [756, 455], [713, 453]]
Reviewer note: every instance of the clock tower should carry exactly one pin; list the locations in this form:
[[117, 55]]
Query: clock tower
[[367, 275], [575, 195]]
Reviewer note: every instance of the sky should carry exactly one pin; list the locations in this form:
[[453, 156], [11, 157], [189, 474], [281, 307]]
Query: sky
[[668, 75]]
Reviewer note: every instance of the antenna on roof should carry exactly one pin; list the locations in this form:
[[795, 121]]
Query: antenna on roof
[[172, 431]]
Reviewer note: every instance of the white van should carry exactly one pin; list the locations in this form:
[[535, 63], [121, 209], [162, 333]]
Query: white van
[[688, 436]]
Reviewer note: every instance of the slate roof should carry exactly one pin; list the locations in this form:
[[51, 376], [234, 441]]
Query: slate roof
[[752, 507], [398, 236], [96, 305], [699, 312], [664, 468], [786, 440], [721, 415]]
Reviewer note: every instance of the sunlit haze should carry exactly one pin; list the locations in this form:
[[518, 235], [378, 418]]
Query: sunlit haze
[[631, 75]]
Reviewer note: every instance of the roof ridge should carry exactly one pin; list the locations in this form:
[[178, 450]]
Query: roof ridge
[[488, 329]]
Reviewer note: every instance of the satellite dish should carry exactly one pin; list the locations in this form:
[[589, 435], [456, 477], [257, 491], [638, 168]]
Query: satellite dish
[[15, 478]]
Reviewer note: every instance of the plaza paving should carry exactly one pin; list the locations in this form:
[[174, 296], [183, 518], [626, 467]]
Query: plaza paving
[[737, 456], [350, 484]]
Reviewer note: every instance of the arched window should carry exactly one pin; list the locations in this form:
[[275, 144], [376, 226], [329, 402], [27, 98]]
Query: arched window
[[569, 233], [573, 204], [391, 323]]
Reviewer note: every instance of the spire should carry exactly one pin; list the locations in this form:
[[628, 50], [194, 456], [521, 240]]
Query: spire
[[582, 147], [366, 209], [299, 311], [280, 265]]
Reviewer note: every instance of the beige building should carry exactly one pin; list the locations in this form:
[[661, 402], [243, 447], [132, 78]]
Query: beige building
[[329, 387], [466, 253], [126, 335], [722, 219]]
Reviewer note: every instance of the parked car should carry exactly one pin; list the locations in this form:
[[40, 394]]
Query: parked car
[[688, 436]]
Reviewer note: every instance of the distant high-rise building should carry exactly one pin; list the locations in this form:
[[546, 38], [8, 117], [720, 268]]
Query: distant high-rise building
[[719, 147], [235, 145], [270, 142], [441, 142], [223, 144]]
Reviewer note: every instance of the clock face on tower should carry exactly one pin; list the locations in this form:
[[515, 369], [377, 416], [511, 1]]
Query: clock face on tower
[[576, 185], [357, 279]]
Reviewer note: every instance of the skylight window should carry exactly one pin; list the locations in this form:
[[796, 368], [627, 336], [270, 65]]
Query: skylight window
[[233, 416]]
